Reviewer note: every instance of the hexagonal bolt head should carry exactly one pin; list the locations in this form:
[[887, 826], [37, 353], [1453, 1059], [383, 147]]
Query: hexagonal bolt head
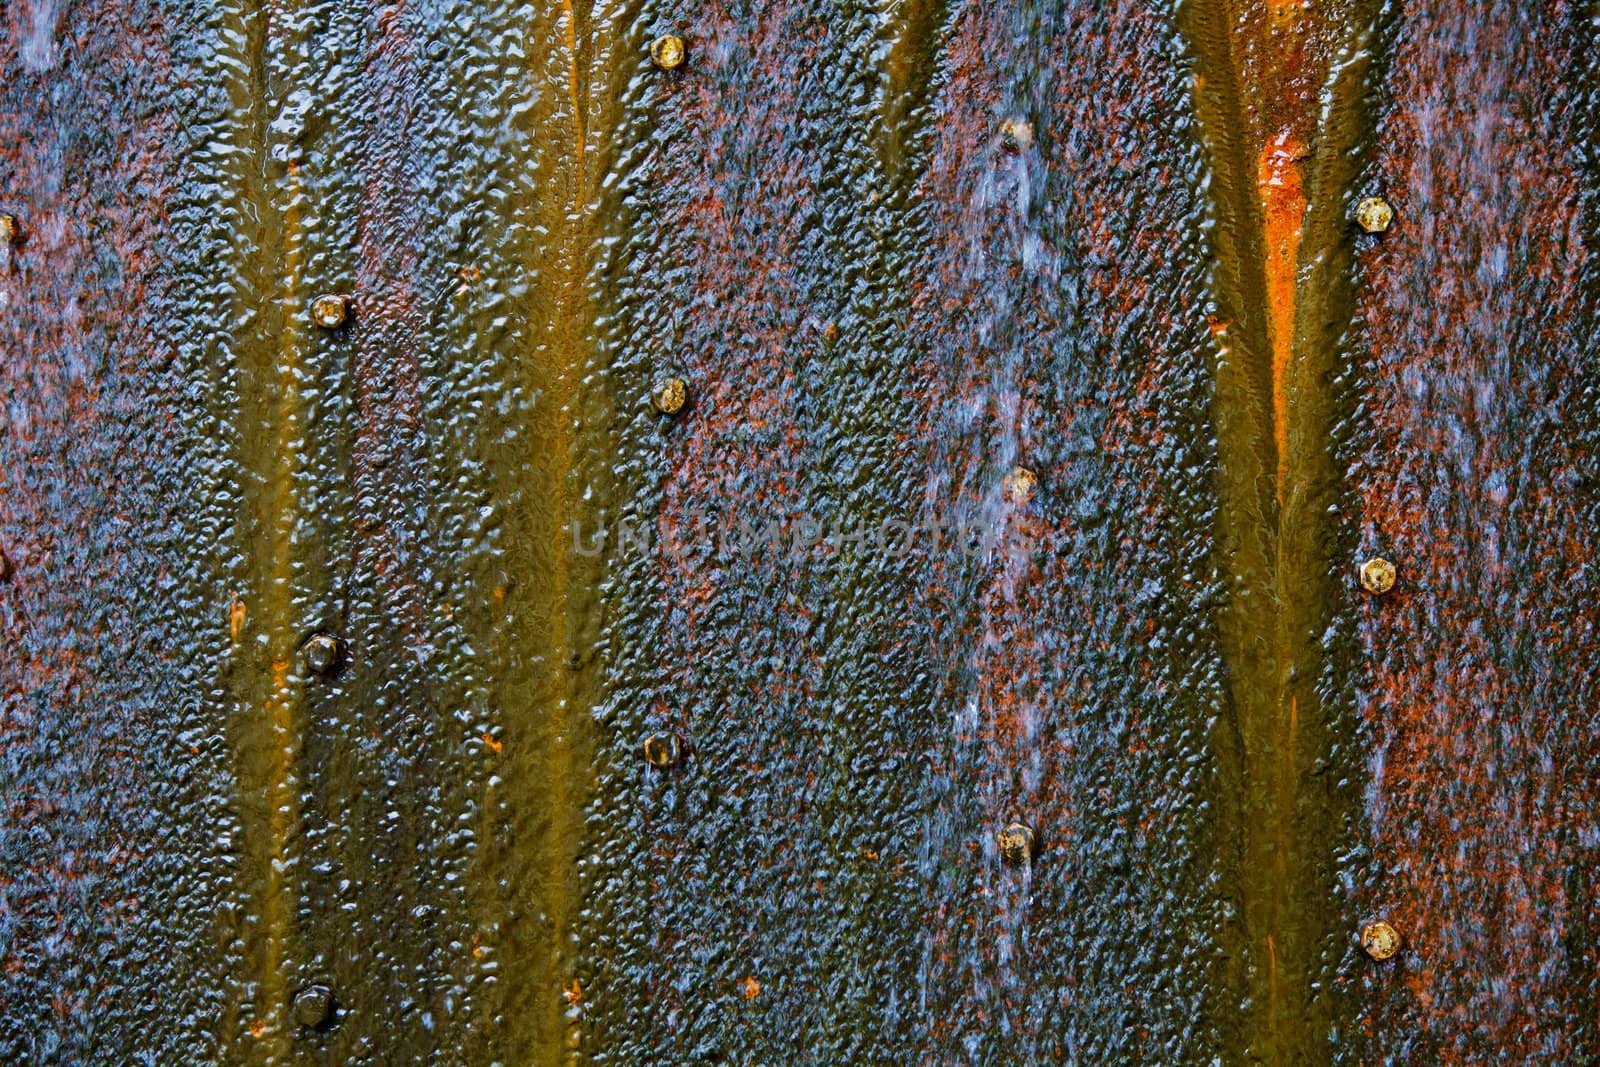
[[670, 395], [662, 751], [1016, 135], [667, 51], [1019, 485], [1016, 843], [330, 311], [10, 229], [313, 1007], [1380, 940], [322, 653], [1374, 215], [1377, 575]]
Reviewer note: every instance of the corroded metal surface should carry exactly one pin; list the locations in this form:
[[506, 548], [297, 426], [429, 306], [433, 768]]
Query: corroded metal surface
[[432, 687], [1473, 466], [879, 320], [103, 828]]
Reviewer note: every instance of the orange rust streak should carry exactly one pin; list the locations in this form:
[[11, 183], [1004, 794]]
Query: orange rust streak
[[1283, 209], [579, 134]]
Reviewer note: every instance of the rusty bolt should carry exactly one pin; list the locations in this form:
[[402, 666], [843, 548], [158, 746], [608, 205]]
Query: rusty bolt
[[330, 310], [669, 395], [1377, 575], [1016, 135], [661, 751], [313, 1006], [1017, 843], [10, 229], [322, 653], [1374, 214], [667, 51], [1019, 485], [1380, 940]]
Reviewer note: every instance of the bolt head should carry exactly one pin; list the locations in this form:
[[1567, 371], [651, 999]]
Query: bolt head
[[330, 310], [661, 751], [1016, 135], [1374, 215], [1016, 843], [313, 1007], [1377, 576], [1019, 485], [667, 51], [322, 653], [670, 395], [1380, 940]]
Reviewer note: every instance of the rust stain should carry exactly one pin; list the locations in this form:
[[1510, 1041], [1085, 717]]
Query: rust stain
[[1283, 210], [580, 134], [237, 613]]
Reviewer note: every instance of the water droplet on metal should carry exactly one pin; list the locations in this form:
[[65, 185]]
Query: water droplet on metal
[[1374, 214], [322, 653], [661, 751], [1017, 843], [1016, 135], [667, 51], [669, 395], [1019, 485], [313, 1007], [330, 310], [1380, 940], [1377, 575], [10, 229]]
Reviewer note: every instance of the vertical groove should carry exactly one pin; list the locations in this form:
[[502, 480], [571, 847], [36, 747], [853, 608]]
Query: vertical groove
[[268, 703], [1279, 91]]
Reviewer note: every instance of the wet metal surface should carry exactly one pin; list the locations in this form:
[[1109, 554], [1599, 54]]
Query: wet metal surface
[[969, 670], [1473, 454]]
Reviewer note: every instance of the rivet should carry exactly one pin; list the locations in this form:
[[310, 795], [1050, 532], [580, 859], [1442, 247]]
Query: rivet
[[322, 653], [1019, 485], [669, 395], [1016, 843], [313, 1006], [1374, 214], [9, 229], [1380, 940], [667, 51], [1377, 575], [330, 310], [1016, 135], [661, 751]]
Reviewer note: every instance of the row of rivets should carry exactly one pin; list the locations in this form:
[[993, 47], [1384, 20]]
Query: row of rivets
[[1379, 940]]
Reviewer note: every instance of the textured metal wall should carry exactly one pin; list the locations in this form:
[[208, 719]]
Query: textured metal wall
[[896, 252]]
